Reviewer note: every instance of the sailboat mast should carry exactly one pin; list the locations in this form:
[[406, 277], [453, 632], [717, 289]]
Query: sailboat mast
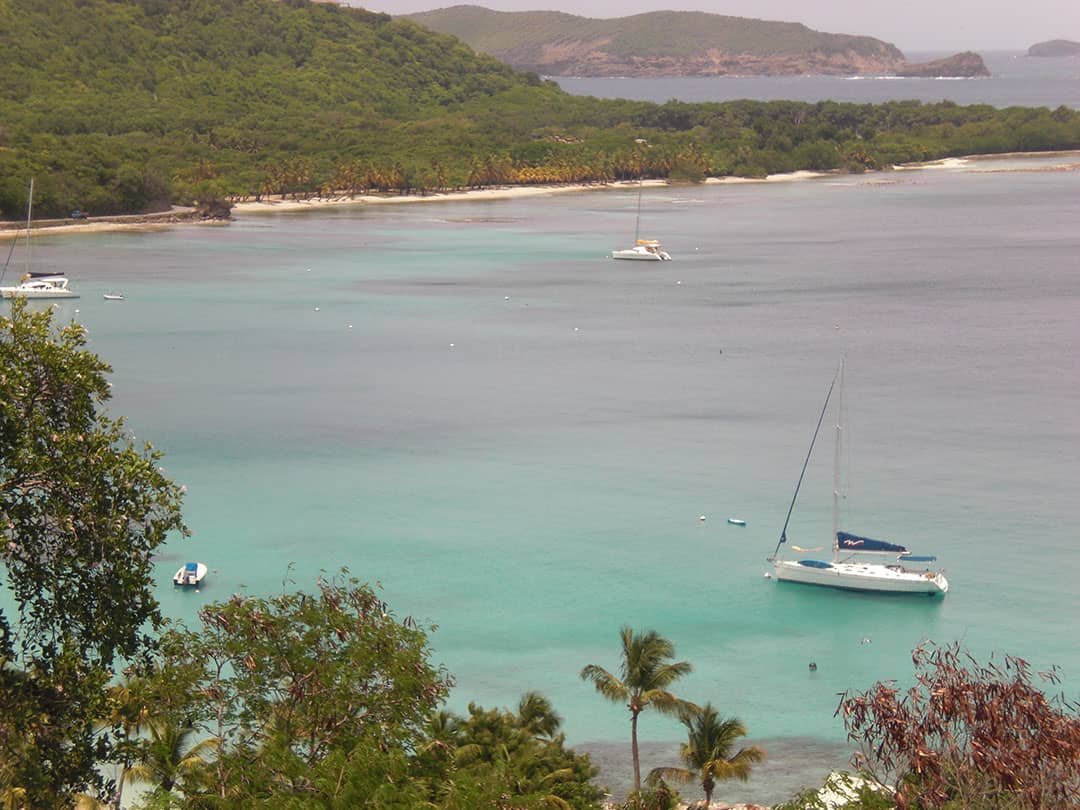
[[637, 219], [802, 473], [836, 460], [29, 210]]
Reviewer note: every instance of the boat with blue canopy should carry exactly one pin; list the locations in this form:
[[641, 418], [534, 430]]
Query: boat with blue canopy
[[190, 574], [856, 562]]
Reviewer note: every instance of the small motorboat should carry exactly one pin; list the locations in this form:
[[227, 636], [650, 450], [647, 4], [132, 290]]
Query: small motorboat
[[736, 521], [190, 574], [113, 296]]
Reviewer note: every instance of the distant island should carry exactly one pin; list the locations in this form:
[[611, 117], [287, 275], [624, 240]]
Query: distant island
[[676, 43], [1055, 47], [967, 64]]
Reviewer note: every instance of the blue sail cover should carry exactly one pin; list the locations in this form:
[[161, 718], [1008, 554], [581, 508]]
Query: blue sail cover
[[852, 542]]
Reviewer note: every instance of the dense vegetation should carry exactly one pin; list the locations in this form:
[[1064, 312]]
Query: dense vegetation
[[128, 105], [82, 511], [524, 34]]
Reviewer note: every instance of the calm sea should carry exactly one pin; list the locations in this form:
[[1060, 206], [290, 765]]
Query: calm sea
[[469, 403], [1017, 80]]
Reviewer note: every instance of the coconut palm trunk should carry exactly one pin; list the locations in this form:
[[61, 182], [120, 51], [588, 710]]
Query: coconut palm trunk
[[646, 676], [709, 751]]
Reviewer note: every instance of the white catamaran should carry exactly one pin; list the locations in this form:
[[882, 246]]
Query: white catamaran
[[858, 563], [35, 285], [647, 250]]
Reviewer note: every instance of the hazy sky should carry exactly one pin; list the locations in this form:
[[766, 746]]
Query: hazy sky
[[952, 25]]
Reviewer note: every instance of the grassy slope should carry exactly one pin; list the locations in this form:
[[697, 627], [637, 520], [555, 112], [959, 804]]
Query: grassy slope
[[661, 33]]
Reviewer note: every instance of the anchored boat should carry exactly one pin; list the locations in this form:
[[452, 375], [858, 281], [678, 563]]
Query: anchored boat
[[858, 563]]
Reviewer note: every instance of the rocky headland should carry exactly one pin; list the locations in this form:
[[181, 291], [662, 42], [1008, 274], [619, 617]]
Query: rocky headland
[[678, 43], [967, 65]]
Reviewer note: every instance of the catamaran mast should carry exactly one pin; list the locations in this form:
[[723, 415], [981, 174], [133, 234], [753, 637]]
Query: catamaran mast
[[836, 461], [637, 220], [29, 209]]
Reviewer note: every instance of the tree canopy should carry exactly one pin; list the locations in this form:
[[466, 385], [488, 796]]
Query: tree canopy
[[81, 512], [130, 105]]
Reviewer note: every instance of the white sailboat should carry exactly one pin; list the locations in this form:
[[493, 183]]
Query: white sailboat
[[858, 563], [37, 285], [648, 250]]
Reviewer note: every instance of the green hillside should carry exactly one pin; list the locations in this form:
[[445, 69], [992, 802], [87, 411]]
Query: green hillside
[[536, 39], [117, 106], [94, 83]]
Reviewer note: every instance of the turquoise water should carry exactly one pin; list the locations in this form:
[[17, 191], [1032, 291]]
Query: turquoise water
[[470, 404]]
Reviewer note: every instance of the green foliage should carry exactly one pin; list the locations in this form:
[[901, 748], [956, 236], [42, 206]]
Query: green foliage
[[82, 511], [660, 796], [127, 105], [494, 757], [709, 751], [293, 686]]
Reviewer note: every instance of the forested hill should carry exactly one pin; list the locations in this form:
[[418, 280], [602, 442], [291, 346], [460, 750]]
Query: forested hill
[[660, 43], [117, 106], [244, 76]]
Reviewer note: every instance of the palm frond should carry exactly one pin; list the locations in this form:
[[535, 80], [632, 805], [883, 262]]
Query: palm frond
[[669, 775], [667, 703], [606, 684], [738, 766]]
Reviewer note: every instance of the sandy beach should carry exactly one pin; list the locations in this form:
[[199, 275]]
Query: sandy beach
[[279, 204]]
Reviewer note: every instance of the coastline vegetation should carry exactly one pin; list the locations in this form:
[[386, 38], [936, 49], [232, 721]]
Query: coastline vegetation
[[128, 106], [329, 700]]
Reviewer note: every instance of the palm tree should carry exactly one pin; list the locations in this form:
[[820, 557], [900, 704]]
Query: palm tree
[[169, 756], [707, 751], [127, 712], [647, 672], [537, 716]]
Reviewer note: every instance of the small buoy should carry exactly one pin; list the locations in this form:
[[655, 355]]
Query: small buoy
[[768, 575], [702, 517], [451, 345], [76, 312], [575, 329], [506, 298], [866, 640], [350, 326], [813, 667], [678, 282], [316, 309], [309, 269]]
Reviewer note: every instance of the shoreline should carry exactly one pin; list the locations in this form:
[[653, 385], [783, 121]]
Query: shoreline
[[280, 205]]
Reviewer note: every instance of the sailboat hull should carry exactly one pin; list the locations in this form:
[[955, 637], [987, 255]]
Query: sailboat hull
[[642, 254], [36, 292], [873, 577]]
